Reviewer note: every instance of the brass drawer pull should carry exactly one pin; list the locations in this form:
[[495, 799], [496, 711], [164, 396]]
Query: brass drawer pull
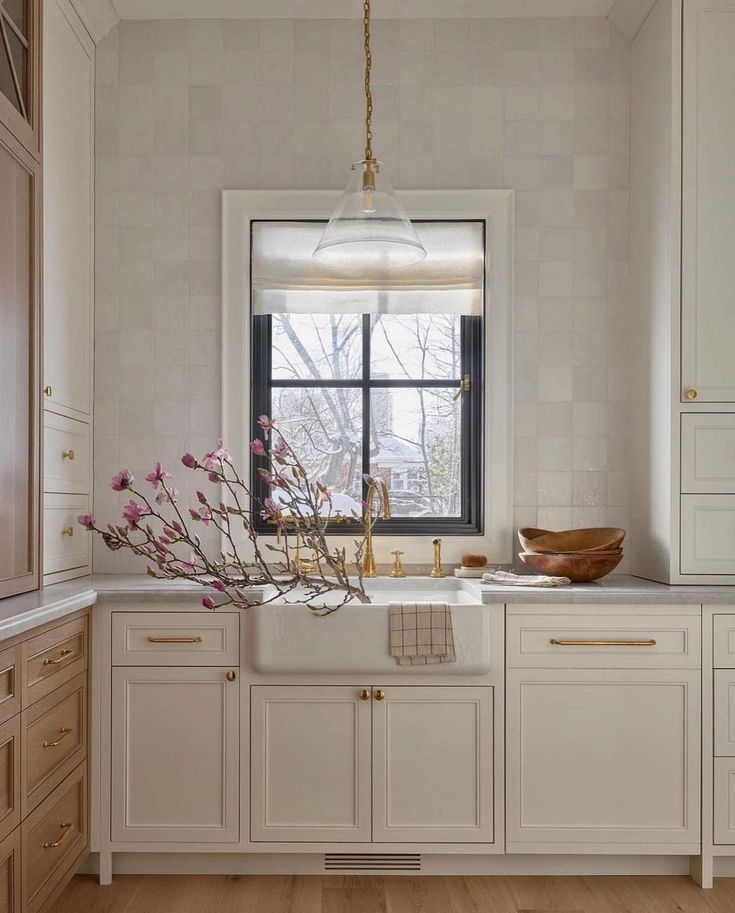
[[61, 658], [66, 827], [63, 733], [196, 639], [68, 454], [602, 643], [67, 531]]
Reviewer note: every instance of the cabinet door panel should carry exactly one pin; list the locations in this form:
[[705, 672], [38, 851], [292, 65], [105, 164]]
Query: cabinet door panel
[[310, 779], [708, 534], [708, 212], [602, 757], [724, 812], [433, 765], [175, 755], [724, 716], [19, 392], [20, 70], [10, 874]]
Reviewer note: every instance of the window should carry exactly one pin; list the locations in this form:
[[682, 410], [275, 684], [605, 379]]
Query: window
[[380, 394], [254, 309]]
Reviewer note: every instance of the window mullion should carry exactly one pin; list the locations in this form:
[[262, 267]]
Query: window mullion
[[366, 354]]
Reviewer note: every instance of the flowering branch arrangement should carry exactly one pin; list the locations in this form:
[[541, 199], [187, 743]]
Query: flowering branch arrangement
[[158, 530]]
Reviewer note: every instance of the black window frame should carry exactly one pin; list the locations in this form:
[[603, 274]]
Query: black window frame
[[471, 520]]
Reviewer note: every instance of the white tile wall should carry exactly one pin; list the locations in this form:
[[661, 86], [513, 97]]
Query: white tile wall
[[185, 109]]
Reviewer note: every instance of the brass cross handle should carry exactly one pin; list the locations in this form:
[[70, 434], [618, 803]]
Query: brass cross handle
[[67, 531], [68, 454]]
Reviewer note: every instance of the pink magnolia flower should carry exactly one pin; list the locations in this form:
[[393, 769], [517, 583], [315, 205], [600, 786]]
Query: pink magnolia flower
[[218, 585], [215, 459], [164, 497], [124, 479], [281, 448], [132, 512], [194, 514], [189, 461], [206, 516], [265, 422], [159, 474], [270, 509], [86, 520], [208, 602], [213, 477], [257, 447], [201, 497], [190, 564]]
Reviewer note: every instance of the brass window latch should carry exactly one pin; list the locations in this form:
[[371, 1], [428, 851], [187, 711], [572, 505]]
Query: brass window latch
[[464, 387]]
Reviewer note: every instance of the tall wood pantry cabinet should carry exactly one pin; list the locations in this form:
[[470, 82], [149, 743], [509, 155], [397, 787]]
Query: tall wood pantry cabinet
[[683, 276], [20, 294]]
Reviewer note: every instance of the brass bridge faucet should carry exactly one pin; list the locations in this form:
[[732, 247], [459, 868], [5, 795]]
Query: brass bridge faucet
[[375, 487], [437, 571]]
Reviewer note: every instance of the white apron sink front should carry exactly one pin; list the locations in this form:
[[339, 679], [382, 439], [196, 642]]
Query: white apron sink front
[[289, 639]]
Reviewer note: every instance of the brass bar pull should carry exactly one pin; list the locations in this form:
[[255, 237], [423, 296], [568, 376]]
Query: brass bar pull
[[61, 658], [63, 733], [68, 454], [602, 643], [66, 827], [194, 639]]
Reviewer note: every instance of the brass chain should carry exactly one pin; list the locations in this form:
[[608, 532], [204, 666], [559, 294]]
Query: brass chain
[[368, 92]]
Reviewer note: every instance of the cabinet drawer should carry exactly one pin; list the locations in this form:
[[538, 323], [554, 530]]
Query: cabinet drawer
[[53, 837], [723, 635], [66, 545], [708, 534], [9, 776], [53, 658], [65, 455], [588, 641], [10, 873], [175, 639], [724, 818], [9, 683], [54, 739]]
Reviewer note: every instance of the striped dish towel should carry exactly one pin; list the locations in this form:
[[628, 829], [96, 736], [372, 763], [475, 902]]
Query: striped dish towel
[[421, 633]]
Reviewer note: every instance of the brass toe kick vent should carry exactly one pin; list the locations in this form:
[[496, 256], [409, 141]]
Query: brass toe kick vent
[[372, 862]]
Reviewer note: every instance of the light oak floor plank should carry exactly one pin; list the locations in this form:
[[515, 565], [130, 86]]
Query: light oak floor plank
[[394, 894]]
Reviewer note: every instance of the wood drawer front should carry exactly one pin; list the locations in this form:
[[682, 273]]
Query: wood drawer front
[[53, 837], [65, 455], [9, 683], [10, 754], [54, 739], [175, 639], [708, 453], [53, 658], [723, 650], [707, 534], [10, 873], [603, 641], [66, 545], [724, 819]]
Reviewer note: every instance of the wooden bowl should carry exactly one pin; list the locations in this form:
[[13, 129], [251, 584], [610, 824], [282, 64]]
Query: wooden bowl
[[578, 568], [600, 539]]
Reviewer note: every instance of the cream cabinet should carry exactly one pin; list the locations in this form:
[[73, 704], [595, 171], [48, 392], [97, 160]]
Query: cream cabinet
[[605, 758], [175, 755], [390, 764]]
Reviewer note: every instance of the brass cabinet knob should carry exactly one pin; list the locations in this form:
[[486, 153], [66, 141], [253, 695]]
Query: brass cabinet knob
[[691, 395], [47, 391], [380, 695], [230, 675], [67, 454], [67, 531], [365, 695]]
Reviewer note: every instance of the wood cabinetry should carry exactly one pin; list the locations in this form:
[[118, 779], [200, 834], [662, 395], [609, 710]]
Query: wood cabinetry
[[346, 764]]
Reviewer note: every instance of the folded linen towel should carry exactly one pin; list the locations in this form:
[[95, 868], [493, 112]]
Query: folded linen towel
[[421, 633], [506, 578]]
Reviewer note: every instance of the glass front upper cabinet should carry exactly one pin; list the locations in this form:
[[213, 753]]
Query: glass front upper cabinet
[[19, 70]]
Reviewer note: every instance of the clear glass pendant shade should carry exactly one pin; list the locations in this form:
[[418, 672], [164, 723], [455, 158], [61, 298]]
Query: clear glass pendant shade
[[369, 226]]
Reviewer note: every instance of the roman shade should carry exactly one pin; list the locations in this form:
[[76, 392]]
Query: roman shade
[[286, 278]]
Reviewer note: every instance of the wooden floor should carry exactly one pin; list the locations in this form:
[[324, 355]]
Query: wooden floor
[[394, 894]]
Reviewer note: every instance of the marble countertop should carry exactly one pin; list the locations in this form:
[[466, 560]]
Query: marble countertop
[[22, 613]]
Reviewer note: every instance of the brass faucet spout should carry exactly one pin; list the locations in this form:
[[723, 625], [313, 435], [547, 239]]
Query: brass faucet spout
[[380, 488]]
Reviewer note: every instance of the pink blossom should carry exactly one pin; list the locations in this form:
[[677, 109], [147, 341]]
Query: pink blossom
[[218, 585], [132, 512], [206, 516], [190, 564], [163, 497], [215, 459], [86, 520], [201, 497], [270, 509], [281, 448], [213, 477], [208, 602], [265, 422], [194, 514], [159, 474], [257, 447], [124, 479], [189, 461]]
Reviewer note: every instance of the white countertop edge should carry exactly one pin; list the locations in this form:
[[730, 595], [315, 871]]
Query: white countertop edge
[[49, 610]]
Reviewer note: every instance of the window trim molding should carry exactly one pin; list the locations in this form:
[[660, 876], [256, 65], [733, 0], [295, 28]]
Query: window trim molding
[[495, 208]]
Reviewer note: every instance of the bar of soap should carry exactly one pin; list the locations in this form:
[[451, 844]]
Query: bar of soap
[[473, 560]]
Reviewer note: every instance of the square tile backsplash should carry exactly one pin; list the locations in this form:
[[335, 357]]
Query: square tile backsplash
[[185, 109]]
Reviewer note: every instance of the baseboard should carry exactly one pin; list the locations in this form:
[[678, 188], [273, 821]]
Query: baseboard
[[314, 864], [724, 866]]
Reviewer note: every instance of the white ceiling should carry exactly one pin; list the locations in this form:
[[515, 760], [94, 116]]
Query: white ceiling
[[344, 9]]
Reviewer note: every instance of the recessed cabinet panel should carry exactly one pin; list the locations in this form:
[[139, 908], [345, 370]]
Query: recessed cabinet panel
[[724, 798], [175, 639], [708, 453], [10, 756], [10, 899], [604, 757], [723, 636], [310, 766], [175, 755], [708, 534], [66, 451], [66, 544], [433, 765]]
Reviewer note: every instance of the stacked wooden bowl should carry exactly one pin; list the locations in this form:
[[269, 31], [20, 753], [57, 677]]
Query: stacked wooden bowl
[[582, 555]]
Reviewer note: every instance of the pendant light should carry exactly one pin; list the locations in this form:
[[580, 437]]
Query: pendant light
[[369, 227]]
